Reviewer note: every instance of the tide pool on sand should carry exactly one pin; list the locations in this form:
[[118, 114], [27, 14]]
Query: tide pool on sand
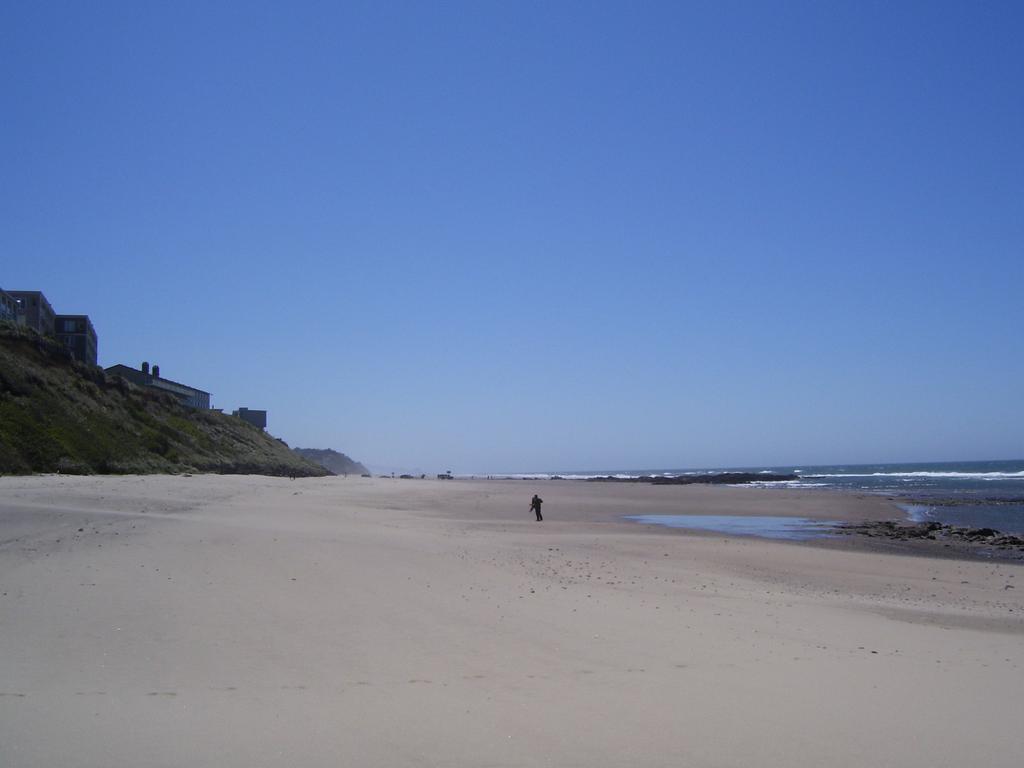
[[765, 526]]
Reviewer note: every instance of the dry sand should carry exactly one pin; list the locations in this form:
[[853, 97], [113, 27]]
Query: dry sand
[[250, 621]]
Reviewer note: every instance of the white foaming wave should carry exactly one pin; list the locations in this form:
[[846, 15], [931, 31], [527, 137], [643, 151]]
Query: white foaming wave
[[778, 484], [949, 475]]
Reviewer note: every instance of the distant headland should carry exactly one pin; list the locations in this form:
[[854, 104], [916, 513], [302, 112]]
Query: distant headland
[[332, 461]]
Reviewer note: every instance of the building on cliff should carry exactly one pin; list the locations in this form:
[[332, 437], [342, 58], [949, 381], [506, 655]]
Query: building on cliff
[[256, 418], [8, 307], [35, 312], [77, 334], [190, 396], [32, 310]]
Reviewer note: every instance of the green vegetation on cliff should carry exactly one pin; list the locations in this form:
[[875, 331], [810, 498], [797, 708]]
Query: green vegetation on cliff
[[57, 415]]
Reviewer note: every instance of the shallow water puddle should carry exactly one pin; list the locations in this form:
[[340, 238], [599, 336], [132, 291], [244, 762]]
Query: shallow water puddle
[[765, 526]]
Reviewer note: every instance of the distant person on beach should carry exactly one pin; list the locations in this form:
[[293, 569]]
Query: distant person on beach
[[535, 506]]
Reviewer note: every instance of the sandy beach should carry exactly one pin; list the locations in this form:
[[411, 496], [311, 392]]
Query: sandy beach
[[254, 621]]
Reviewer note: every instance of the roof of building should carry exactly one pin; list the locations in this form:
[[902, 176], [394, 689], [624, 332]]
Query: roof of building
[[152, 377], [40, 294]]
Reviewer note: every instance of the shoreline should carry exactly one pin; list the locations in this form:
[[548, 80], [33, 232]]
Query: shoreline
[[862, 518], [865, 521]]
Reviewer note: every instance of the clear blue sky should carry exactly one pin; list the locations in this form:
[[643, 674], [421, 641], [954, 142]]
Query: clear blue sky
[[539, 235]]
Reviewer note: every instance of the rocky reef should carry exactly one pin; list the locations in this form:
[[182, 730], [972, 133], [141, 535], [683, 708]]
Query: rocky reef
[[935, 531], [715, 478]]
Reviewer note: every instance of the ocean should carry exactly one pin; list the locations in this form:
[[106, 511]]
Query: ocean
[[978, 494]]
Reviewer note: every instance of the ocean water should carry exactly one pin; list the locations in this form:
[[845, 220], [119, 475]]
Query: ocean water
[[971, 493]]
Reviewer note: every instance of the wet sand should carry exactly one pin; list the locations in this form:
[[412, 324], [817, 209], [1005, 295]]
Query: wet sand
[[251, 621]]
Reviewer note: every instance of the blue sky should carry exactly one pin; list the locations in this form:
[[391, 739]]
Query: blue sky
[[524, 236]]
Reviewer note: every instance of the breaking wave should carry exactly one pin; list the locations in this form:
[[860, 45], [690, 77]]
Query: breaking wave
[[936, 475]]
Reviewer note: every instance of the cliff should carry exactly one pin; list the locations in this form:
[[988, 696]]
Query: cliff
[[57, 415], [332, 461]]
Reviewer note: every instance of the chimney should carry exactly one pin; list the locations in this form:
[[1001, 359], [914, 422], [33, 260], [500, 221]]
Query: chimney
[[145, 368], [156, 371]]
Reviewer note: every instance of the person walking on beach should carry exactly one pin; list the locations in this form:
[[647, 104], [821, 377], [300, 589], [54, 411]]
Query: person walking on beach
[[535, 506]]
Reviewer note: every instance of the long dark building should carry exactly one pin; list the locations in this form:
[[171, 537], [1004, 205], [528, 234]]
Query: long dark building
[[196, 398]]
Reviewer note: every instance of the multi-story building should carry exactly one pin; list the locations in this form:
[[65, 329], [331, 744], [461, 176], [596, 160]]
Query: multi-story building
[[256, 418], [8, 307], [78, 335], [35, 311], [196, 398]]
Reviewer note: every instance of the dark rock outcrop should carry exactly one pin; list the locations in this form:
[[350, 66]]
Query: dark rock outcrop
[[936, 531], [718, 478], [964, 501]]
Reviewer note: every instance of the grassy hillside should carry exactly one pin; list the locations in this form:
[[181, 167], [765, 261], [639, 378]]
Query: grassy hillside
[[57, 415]]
